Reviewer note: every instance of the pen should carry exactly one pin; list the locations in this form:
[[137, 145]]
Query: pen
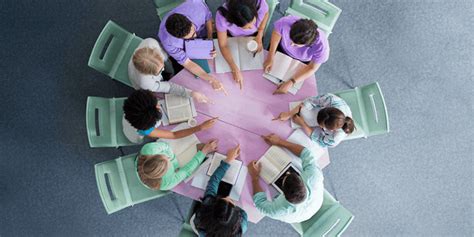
[[254, 54], [299, 112]]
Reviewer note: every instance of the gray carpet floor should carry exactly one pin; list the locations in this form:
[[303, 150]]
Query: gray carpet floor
[[415, 181]]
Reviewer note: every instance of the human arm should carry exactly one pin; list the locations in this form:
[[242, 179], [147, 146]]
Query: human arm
[[217, 176], [227, 54], [260, 31], [254, 171], [209, 29], [198, 71], [300, 121], [283, 116], [275, 140], [300, 75], [327, 138], [159, 133], [274, 41]]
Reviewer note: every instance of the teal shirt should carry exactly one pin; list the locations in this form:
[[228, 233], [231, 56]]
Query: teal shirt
[[281, 209], [175, 174]]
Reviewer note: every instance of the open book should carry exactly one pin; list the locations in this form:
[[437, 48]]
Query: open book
[[184, 148], [274, 162], [244, 59], [231, 174], [310, 117], [198, 48], [284, 67], [178, 108]]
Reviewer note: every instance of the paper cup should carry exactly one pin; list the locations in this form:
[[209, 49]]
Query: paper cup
[[252, 46], [192, 122]]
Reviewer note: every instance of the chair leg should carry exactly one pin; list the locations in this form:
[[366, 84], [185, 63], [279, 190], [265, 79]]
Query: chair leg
[[331, 184], [121, 151], [177, 207]]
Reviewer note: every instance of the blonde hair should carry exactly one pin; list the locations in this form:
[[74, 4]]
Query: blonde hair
[[148, 61], [152, 168]]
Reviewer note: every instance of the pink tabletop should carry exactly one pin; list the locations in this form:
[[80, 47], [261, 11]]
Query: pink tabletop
[[243, 117]]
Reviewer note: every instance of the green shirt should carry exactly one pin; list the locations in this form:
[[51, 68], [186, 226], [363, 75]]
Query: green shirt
[[281, 209], [175, 174]]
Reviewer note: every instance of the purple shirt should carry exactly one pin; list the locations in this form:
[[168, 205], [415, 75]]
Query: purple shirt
[[318, 52], [198, 13], [222, 25]]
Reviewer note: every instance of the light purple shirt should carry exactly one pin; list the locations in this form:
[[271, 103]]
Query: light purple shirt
[[318, 52], [222, 25], [198, 13]]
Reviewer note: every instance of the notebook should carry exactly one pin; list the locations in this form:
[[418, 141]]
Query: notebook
[[273, 162], [198, 48], [179, 109], [231, 174], [309, 116], [244, 59], [284, 67]]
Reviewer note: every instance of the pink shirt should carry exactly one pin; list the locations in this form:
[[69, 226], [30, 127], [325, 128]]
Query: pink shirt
[[318, 52], [222, 25]]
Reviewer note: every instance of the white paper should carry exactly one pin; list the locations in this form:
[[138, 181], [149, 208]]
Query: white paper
[[243, 58], [178, 108], [231, 174], [184, 148], [299, 137], [273, 162]]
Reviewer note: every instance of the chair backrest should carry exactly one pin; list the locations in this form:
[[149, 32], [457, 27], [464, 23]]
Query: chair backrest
[[351, 98], [119, 185], [332, 219], [271, 9], [104, 122], [165, 6], [186, 229], [324, 13], [112, 52]]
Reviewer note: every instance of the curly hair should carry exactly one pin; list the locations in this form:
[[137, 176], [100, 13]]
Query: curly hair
[[294, 189], [140, 109], [239, 12], [217, 218], [304, 31], [178, 25], [332, 118]]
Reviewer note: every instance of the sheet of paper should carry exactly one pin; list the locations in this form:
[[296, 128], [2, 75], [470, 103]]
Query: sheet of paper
[[201, 169], [281, 65], [247, 60], [221, 64], [310, 117]]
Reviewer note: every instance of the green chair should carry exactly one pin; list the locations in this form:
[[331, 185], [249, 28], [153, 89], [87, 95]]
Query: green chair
[[112, 52], [165, 6], [186, 229], [119, 185], [368, 110], [271, 9], [325, 14], [331, 220], [104, 123]]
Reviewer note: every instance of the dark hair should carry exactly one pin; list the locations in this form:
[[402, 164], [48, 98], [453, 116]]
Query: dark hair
[[178, 25], [294, 189], [140, 109], [332, 118], [217, 217], [239, 12], [304, 31]]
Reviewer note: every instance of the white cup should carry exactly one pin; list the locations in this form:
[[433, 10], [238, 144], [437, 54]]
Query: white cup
[[192, 122], [252, 46]]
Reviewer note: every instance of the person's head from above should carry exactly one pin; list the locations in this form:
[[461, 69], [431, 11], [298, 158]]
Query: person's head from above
[[180, 26], [148, 61], [220, 217], [333, 119], [303, 32], [293, 188], [142, 110], [151, 168], [242, 13]]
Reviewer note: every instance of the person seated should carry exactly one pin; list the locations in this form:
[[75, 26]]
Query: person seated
[[143, 112], [302, 194], [218, 215], [333, 116], [145, 69], [240, 18], [302, 40], [192, 19], [158, 167]]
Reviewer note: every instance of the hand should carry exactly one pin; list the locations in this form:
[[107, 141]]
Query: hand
[[208, 124], [210, 147], [299, 120], [199, 97], [217, 85], [260, 43], [232, 154], [284, 116], [272, 139], [254, 169], [267, 65], [283, 87], [213, 53], [237, 76]]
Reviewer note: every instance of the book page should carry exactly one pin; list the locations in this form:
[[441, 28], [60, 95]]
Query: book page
[[268, 172], [184, 148], [281, 64], [231, 174], [178, 107], [273, 162], [247, 60], [221, 64]]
